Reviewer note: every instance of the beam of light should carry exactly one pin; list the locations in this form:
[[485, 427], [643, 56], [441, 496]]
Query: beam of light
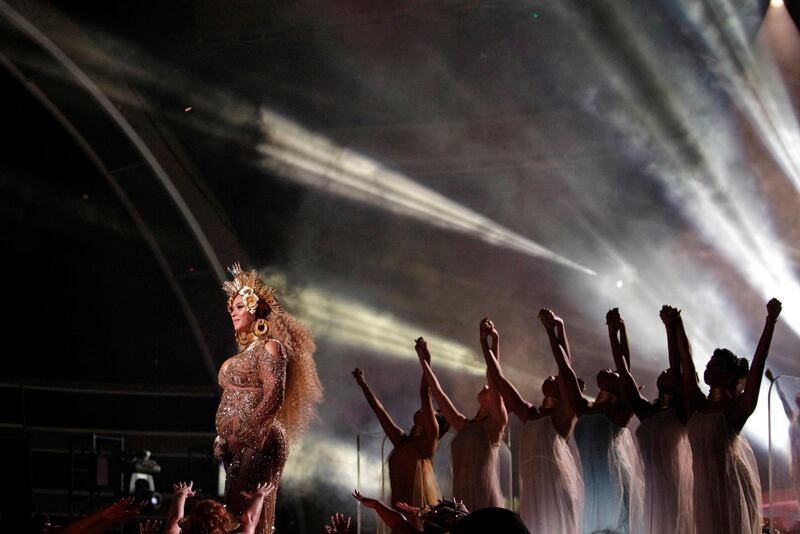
[[776, 117], [697, 154], [706, 178], [754, 80], [296, 153], [706, 310], [709, 319], [33, 33], [350, 323]]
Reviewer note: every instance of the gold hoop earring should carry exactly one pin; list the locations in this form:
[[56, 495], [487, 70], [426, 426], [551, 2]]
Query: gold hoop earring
[[260, 328]]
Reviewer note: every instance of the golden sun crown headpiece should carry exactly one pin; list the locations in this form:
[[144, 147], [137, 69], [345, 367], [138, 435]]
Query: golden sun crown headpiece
[[252, 289]]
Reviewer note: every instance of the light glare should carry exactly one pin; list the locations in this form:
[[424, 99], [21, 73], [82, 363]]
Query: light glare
[[296, 153]]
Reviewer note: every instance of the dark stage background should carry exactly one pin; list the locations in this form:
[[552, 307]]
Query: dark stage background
[[396, 169]]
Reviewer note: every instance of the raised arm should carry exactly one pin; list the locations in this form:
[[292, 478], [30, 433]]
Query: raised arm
[[393, 432], [498, 415], [787, 406], [182, 492], [496, 423], [393, 519], [749, 399], [618, 335], [691, 394], [123, 510], [253, 513], [453, 416], [672, 344], [567, 380], [490, 337], [512, 398], [429, 440], [561, 336], [498, 412]]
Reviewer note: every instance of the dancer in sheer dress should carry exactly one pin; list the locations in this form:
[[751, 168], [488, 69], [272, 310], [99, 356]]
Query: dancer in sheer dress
[[551, 488], [727, 491], [269, 390], [610, 461], [411, 475], [661, 436], [475, 449]]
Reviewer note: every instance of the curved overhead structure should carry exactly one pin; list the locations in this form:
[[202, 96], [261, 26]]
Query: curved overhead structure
[[128, 149]]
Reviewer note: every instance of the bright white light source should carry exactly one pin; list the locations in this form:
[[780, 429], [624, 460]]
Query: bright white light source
[[776, 3], [619, 284]]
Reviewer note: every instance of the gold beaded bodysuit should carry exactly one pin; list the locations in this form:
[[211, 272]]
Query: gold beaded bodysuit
[[253, 387]]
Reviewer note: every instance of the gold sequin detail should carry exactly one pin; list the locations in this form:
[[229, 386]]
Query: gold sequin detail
[[253, 387]]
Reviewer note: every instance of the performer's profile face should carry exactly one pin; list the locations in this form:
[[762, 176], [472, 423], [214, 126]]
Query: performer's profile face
[[241, 318]]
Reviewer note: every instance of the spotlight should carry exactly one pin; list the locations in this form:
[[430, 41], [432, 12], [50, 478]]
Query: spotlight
[[619, 284], [776, 3], [139, 468]]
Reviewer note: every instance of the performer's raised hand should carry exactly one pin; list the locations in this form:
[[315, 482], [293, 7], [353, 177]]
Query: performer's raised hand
[[358, 374], [421, 346], [151, 527], [366, 501], [340, 524], [774, 308]]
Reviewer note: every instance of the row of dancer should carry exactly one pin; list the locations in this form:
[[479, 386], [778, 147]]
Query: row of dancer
[[580, 469], [474, 449]]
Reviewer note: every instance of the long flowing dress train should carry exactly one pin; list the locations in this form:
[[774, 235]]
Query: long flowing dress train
[[667, 462], [475, 461], [727, 491], [551, 486], [612, 476]]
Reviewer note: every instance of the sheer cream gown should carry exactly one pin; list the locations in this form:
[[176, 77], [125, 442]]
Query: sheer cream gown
[[727, 490], [475, 461], [551, 485], [612, 474], [667, 462]]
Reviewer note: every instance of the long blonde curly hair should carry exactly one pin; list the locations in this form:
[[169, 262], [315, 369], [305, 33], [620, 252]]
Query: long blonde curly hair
[[303, 390]]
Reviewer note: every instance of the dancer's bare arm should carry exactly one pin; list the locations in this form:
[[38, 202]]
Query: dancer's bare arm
[[749, 399], [393, 519], [251, 516], [450, 412], [393, 432], [691, 394], [512, 398], [557, 336], [631, 396]]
